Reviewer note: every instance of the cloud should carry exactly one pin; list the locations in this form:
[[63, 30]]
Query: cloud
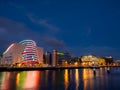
[[53, 42], [49, 38], [12, 31], [12, 28], [44, 23], [47, 25], [30, 17], [10, 23]]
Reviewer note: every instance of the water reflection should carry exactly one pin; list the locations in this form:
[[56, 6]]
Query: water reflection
[[88, 79], [71, 75], [84, 77], [77, 78], [20, 79], [26, 80], [73, 79], [6, 79], [32, 80], [66, 79], [98, 81], [53, 77], [46, 76]]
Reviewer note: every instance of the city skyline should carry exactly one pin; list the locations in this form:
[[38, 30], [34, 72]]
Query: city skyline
[[79, 27]]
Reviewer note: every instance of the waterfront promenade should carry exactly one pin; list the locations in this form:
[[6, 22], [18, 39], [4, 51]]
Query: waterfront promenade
[[26, 68]]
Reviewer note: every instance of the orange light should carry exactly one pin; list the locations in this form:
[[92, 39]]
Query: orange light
[[66, 79], [76, 63]]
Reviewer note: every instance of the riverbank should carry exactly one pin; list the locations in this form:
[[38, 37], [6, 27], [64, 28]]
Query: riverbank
[[48, 68]]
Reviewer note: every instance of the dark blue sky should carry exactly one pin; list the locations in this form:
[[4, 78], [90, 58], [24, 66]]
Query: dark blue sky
[[81, 27]]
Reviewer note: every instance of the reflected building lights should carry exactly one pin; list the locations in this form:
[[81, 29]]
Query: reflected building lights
[[32, 80], [18, 79], [74, 79], [53, 77], [66, 79], [87, 77], [71, 74], [77, 78], [6, 81], [46, 76], [101, 70]]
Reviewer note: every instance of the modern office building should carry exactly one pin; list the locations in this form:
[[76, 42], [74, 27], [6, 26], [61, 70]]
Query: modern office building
[[25, 52]]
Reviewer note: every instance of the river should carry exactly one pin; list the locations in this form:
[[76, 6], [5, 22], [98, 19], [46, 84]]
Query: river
[[67, 79]]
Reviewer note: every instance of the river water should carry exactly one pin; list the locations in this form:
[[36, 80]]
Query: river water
[[67, 79]]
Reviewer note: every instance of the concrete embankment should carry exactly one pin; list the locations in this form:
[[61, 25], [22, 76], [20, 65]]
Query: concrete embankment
[[47, 68]]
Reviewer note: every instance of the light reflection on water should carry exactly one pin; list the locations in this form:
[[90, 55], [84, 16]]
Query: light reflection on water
[[68, 79], [77, 78], [32, 80], [88, 77]]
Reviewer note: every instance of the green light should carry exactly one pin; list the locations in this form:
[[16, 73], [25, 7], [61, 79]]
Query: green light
[[60, 53]]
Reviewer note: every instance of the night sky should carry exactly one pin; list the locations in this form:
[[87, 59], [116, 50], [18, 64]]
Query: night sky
[[81, 27]]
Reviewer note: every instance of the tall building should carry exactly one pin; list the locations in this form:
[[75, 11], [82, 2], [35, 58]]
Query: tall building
[[54, 58], [47, 57], [39, 53], [0, 59], [25, 52]]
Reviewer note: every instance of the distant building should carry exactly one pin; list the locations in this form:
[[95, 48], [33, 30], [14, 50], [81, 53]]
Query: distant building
[[39, 53], [63, 58], [89, 60], [25, 52], [0, 59], [47, 58], [109, 60], [117, 62], [54, 58], [101, 61]]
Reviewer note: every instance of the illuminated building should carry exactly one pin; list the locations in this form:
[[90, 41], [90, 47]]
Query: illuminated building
[[25, 52], [101, 61], [89, 60], [117, 62], [30, 53], [13, 54]]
